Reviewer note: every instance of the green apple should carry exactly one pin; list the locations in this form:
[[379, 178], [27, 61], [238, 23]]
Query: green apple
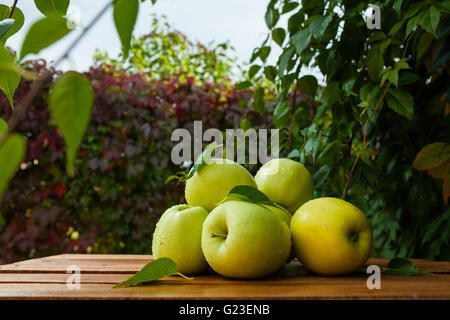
[[178, 236], [331, 236], [245, 240], [207, 187], [285, 182]]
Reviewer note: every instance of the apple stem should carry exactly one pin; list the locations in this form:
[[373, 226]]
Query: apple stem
[[214, 235]]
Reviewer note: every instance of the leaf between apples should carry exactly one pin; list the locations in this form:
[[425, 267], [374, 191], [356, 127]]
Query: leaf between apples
[[249, 193], [202, 159], [290, 270], [152, 271]]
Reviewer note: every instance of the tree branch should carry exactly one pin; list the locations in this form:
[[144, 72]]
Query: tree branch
[[12, 9], [364, 139]]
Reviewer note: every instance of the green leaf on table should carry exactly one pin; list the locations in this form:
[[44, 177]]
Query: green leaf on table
[[203, 159], [249, 193], [12, 152], [152, 271], [9, 74], [125, 16], [401, 102], [290, 270], [5, 25], [71, 102], [44, 33], [432, 156], [48, 7], [308, 85], [403, 267], [278, 35], [18, 21]]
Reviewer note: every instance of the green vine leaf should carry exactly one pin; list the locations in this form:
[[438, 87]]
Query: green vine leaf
[[432, 156], [402, 102], [71, 102], [301, 40], [153, 271], [12, 152], [44, 33], [430, 20], [49, 7], [18, 21], [404, 267], [9, 74], [278, 35], [5, 25], [125, 16], [308, 85]]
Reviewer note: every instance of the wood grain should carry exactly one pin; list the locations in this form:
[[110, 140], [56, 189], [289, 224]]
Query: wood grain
[[45, 278]]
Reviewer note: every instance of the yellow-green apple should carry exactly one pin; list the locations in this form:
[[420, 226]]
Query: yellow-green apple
[[242, 239], [285, 182], [210, 185], [331, 236], [178, 236]]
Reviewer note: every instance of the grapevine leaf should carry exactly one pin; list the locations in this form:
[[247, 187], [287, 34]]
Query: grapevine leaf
[[431, 156]]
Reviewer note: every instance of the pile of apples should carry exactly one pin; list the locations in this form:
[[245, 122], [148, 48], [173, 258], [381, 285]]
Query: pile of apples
[[243, 239]]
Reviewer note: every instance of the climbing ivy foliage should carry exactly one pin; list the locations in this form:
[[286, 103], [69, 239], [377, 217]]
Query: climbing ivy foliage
[[71, 97], [382, 96]]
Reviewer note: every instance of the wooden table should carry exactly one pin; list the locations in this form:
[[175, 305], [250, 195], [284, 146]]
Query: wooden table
[[45, 278]]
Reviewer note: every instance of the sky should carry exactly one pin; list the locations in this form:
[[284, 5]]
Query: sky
[[239, 21]]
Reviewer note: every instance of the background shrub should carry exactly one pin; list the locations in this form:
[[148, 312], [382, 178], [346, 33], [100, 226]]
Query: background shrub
[[118, 191]]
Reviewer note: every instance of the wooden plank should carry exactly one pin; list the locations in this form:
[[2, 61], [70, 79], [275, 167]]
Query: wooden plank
[[306, 287], [129, 264], [45, 278]]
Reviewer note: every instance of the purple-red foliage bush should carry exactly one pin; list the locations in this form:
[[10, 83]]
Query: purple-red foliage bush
[[119, 191]]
